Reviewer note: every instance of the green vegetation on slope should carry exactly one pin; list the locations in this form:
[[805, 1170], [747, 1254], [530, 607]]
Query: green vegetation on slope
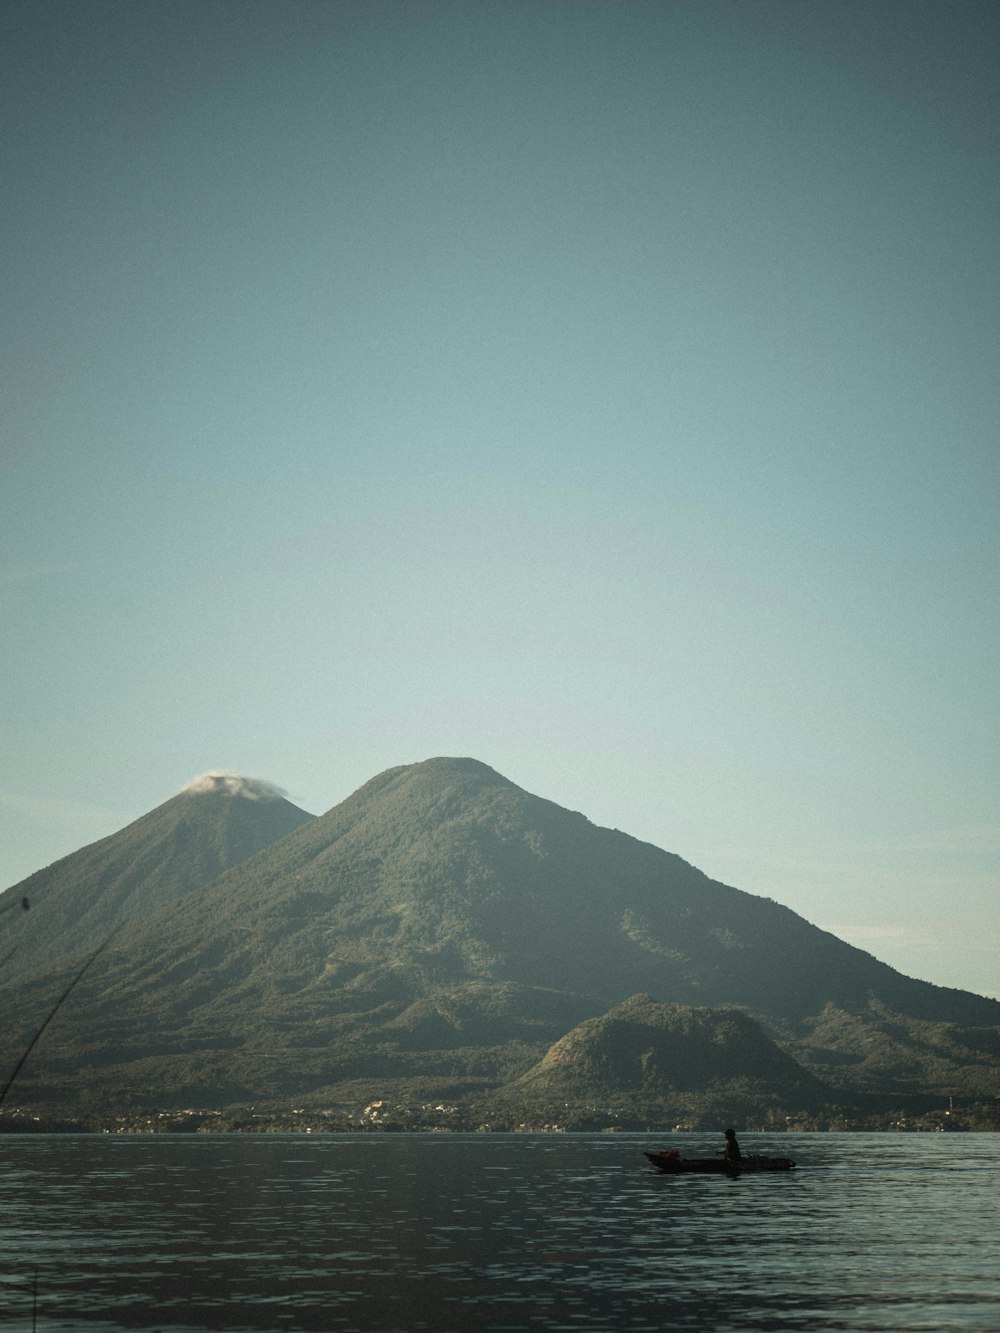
[[443, 925]]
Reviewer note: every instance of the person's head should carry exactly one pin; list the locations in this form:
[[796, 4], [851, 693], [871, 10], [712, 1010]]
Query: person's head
[[730, 1133]]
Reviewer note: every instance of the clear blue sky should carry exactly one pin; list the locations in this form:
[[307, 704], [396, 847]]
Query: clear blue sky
[[608, 391]]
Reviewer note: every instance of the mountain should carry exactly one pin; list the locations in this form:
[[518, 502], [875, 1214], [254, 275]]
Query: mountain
[[439, 930], [217, 821]]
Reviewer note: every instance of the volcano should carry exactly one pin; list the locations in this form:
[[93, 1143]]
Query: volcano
[[217, 821], [442, 928]]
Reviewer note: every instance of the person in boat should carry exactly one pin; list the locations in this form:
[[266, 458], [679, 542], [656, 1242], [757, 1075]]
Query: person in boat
[[731, 1152]]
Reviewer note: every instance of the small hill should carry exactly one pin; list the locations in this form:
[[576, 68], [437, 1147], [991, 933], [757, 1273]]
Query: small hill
[[217, 821], [879, 1049], [646, 1054]]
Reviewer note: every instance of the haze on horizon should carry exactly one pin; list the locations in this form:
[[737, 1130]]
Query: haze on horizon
[[604, 391]]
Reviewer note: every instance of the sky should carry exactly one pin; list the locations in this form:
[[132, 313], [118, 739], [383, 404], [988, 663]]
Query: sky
[[606, 391]]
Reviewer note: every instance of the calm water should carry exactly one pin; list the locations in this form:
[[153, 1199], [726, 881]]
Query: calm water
[[456, 1233]]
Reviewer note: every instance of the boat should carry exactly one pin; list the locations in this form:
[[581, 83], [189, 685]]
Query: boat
[[671, 1163]]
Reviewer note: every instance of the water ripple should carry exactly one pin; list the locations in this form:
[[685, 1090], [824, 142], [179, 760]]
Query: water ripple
[[453, 1234]]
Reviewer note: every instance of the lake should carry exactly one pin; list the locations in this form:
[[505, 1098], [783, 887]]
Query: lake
[[455, 1233]]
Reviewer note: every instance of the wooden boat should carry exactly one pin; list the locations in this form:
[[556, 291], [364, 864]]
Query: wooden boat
[[671, 1163]]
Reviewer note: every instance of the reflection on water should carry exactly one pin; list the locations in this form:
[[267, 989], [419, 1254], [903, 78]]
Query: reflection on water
[[455, 1233]]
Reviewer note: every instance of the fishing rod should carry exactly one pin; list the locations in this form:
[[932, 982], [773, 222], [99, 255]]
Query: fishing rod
[[52, 1013], [9, 907]]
